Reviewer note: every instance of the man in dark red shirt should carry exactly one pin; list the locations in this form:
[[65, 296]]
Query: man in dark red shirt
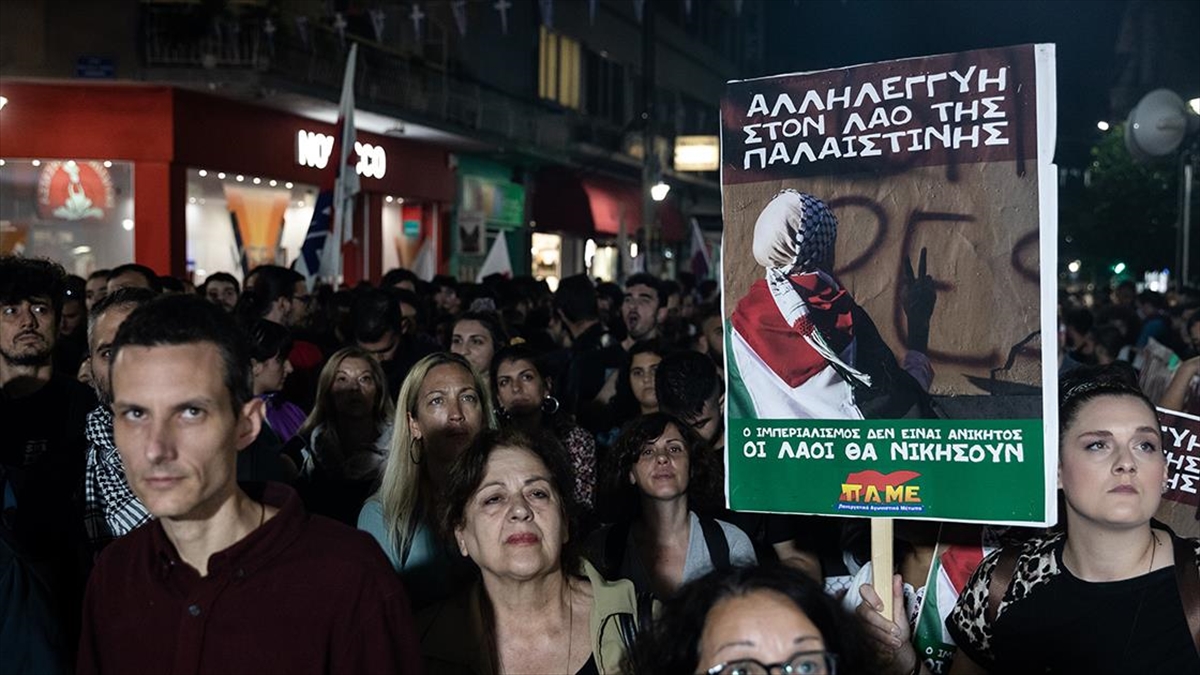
[[226, 580]]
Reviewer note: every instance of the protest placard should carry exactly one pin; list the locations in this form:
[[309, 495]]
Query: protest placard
[[1180, 506], [885, 297]]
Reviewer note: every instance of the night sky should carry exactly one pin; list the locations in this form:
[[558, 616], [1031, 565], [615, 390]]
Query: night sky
[[816, 34]]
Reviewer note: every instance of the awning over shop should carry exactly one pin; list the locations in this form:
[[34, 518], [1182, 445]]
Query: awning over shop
[[595, 206], [560, 204]]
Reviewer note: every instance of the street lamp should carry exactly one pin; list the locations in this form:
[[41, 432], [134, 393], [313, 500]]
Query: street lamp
[[659, 190], [1102, 125]]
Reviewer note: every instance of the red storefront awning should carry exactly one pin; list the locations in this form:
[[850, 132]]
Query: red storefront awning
[[596, 206]]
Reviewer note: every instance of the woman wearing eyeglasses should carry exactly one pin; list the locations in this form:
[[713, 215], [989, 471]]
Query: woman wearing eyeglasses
[[749, 621]]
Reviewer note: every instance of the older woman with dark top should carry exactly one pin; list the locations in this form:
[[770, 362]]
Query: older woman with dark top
[[536, 607], [750, 621], [1113, 592]]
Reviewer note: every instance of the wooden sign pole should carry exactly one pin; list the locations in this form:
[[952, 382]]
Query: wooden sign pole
[[881, 561]]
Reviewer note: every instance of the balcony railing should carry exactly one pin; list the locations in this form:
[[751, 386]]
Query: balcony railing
[[388, 81]]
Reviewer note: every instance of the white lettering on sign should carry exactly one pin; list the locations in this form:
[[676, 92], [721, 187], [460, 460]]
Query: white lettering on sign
[[372, 160], [313, 149]]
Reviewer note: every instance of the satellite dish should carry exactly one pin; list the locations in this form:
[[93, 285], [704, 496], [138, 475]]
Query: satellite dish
[[1158, 124]]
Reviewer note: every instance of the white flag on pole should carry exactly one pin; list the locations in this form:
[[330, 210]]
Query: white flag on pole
[[423, 265], [497, 260], [346, 184]]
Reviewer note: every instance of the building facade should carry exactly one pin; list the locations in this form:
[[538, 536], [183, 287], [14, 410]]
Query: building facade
[[523, 118]]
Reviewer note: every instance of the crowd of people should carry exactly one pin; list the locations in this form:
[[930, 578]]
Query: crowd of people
[[447, 477], [1158, 334]]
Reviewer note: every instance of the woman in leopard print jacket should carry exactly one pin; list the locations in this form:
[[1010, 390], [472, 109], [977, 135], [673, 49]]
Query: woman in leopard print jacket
[[1102, 595]]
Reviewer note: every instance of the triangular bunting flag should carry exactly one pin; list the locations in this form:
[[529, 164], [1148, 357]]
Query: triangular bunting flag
[[497, 260]]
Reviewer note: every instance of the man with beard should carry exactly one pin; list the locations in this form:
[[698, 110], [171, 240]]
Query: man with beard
[[385, 323], [222, 289], [110, 509], [643, 309], [42, 414]]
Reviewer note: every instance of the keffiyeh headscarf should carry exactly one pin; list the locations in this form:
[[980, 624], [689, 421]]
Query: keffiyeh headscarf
[[793, 235]]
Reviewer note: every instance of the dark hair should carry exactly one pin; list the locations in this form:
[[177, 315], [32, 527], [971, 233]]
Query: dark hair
[[132, 296], [1155, 300], [490, 322], [28, 278], [171, 285], [221, 276], [685, 381], [467, 473], [187, 319], [146, 273], [404, 296], [397, 275], [445, 281], [1087, 383], [271, 282], [73, 288], [268, 340], [1110, 338], [624, 405], [647, 279], [671, 646], [623, 499], [576, 299], [520, 352], [1080, 319], [374, 312], [98, 274], [612, 291], [667, 288]]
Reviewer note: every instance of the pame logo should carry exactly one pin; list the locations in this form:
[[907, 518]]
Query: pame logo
[[872, 487]]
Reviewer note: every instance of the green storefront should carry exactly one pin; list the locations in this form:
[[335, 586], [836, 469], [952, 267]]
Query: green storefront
[[488, 204]]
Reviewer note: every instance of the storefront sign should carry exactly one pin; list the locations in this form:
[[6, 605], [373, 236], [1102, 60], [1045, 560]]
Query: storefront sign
[[313, 149], [500, 203], [697, 153], [854, 198], [73, 190]]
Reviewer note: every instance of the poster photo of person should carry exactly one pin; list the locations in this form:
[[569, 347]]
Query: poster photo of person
[[884, 296]]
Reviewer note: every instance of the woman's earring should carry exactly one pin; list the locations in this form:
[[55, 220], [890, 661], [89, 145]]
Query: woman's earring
[[550, 405]]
